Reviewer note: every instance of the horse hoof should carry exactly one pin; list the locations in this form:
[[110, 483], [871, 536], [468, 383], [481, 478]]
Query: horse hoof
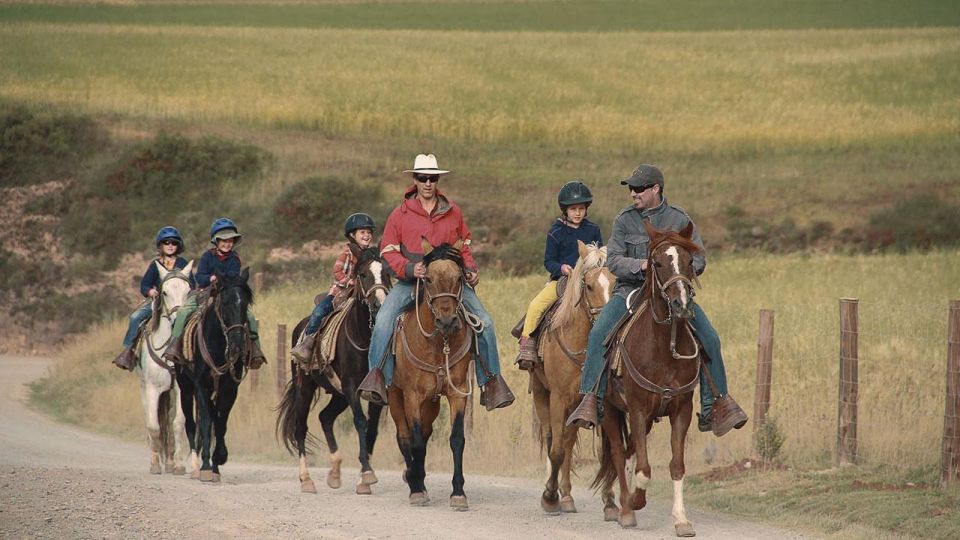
[[307, 486], [628, 521], [206, 476], [567, 506], [333, 481], [364, 489], [155, 469], [419, 499], [179, 470], [195, 474], [216, 478], [611, 513], [369, 478], [550, 507], [459, 503], [685, 530]]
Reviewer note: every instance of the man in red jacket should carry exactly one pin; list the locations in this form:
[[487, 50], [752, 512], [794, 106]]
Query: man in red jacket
[[427, 213]]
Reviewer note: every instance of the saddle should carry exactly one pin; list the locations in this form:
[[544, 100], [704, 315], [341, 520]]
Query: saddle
[[191, 333], [398, 341], [517, 330], [325, 349]]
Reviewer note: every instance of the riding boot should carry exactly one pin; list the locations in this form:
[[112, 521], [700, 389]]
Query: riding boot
[[126, 360], [303, 352], [725, 415], [373, 388], [257, 358], [174, 352], [585, 415], [527, 358], [496, 394]]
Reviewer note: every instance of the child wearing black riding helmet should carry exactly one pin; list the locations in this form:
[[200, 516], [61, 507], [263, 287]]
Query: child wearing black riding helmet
[[220, 259], [358, 228], [559, 257], [169, 246]]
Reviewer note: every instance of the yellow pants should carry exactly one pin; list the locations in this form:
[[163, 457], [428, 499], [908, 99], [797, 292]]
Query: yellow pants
[[540, 303]]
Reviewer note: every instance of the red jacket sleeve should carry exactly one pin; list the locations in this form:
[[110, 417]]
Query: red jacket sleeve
[[390, 245], [467, 238], [342, 269]]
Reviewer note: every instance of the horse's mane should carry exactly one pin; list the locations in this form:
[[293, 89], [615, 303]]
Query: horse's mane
[[367, 255], [444, 252], [596, 258], [673, 238], [231, 281]]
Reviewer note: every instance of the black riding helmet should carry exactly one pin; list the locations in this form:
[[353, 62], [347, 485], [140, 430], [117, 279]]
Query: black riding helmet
[[358, 221], [574, 192]]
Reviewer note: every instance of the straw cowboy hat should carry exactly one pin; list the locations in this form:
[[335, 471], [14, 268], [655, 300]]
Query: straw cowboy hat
[[425, 164]]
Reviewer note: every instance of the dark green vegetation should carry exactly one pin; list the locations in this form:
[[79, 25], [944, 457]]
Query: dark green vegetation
[[315, 208], [562, 16]]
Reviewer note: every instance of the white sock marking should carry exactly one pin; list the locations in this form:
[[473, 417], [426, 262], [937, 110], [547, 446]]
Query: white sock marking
[[679, 514]]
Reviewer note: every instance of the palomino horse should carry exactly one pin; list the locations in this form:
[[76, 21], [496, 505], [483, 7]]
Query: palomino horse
[[661, 358], [350, 366], [555, 382], [159, 393], [220, 357], [433, 351]]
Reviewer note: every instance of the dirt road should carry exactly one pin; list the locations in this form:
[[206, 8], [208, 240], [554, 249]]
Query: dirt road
[[57, 481]]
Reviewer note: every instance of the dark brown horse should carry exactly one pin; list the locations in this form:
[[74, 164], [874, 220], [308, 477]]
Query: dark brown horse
[[661, 361], [434, 349], [350, 366]]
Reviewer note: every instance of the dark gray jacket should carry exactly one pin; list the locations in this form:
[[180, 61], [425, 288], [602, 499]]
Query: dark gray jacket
[[627, 245]]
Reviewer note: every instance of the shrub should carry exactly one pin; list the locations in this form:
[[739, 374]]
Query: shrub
[[36, 149], [316, 208], [921, 222], [768, 439]]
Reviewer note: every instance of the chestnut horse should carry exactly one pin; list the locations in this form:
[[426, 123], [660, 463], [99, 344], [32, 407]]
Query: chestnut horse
[[661, 359], [350, 366], [555, 382], [434, 347]]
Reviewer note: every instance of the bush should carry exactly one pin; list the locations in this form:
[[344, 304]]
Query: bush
[[787, 236], [37, 149], [316, 208], [768, 439], [922, 222]]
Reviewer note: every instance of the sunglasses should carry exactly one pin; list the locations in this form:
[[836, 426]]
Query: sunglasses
[[640, 189], [168, 243], [422, 178]]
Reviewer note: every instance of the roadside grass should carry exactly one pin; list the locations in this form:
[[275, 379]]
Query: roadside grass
[[500, 15]]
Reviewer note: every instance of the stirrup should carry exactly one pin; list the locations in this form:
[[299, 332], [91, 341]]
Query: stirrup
[[585, 416], [373, 388]]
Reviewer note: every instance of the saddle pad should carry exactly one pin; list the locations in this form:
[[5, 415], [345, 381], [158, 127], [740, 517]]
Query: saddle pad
[[325, 351], [190, 335]]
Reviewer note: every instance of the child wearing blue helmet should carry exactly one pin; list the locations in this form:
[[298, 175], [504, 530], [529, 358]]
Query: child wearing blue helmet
[[223, 259], [169, 246]]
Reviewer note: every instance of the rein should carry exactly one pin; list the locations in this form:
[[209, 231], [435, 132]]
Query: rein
[[217, 371], [662, 287], [166, 314]]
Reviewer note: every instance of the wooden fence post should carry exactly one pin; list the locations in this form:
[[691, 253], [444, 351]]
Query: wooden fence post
[[257, 283], [281, 359], [761, 396], [950, 460], [849, 385]]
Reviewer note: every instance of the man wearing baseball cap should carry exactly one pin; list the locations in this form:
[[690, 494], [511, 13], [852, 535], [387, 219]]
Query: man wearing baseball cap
[[627, 259]]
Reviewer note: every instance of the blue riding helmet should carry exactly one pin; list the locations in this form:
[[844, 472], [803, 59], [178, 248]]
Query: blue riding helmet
[[224, 229], [358, 221], [170, 233]]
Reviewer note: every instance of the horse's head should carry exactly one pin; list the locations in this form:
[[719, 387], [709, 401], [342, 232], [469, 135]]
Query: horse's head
[[233, 298], [670, 267], [588, 288], [443, 286], [373, 280], [174, 288]]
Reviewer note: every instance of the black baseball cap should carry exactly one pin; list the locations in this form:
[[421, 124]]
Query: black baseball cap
[[643, 176]]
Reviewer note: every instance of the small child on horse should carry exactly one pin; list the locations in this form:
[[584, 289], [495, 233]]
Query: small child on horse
[[358, 229], [222, 257], [169, 246], [559, 258]]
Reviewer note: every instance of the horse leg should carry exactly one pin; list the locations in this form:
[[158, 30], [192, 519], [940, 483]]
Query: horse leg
[[150, 398], [179, 420], [373, 425], [428, 414], [367, 476], [549, 500], [679, 423], [611, 428], [566, 488], [639, 425], [328, 415], [187, 396], [205, 425], [403, 429], [225, 401], [458, 404], [303, 399]]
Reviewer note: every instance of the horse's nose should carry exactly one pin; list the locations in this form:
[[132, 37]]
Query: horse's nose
[[448, 325]]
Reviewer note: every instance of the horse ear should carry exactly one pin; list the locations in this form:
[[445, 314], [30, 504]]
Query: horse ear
[[687, 232], [425, 245], [245, 274], [582, 249], [458, 244], [188, 268], [163, 271]]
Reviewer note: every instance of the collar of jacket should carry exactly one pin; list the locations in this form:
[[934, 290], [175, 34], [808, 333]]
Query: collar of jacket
[[413, 205], [650, 212]]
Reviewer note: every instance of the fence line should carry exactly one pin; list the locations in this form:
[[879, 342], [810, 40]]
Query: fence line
[[950, 460]]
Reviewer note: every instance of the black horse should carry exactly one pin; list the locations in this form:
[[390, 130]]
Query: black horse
[[220, 359], [350, 366]]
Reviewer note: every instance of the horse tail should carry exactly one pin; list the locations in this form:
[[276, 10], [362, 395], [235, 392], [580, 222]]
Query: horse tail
[[287, 410], [163, 416], [607, 474]]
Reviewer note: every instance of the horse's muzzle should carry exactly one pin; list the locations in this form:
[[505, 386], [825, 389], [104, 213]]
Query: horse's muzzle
[[448, 325], [680, 311]]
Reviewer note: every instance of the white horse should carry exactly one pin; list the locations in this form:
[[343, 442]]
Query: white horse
[[159, 392]]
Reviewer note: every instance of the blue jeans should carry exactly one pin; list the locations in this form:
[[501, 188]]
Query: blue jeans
[[399, 299], [139, 315], [320, 311], [595, 376]]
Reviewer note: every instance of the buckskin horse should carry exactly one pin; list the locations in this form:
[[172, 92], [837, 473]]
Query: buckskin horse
[[435, 343], [159, 393], [350, 366], [662, 360], [220, 355], [555, 382]]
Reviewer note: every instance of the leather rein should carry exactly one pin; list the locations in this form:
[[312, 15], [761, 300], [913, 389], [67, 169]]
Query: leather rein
[[170, 315], [217, 371]]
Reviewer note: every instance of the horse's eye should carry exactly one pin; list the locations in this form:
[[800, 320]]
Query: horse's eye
[[656, 264], [589, 287]]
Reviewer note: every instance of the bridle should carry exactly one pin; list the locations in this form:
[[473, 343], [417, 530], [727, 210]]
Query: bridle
[[227, 367], [661, 286], [170, 315], [365, 295]]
